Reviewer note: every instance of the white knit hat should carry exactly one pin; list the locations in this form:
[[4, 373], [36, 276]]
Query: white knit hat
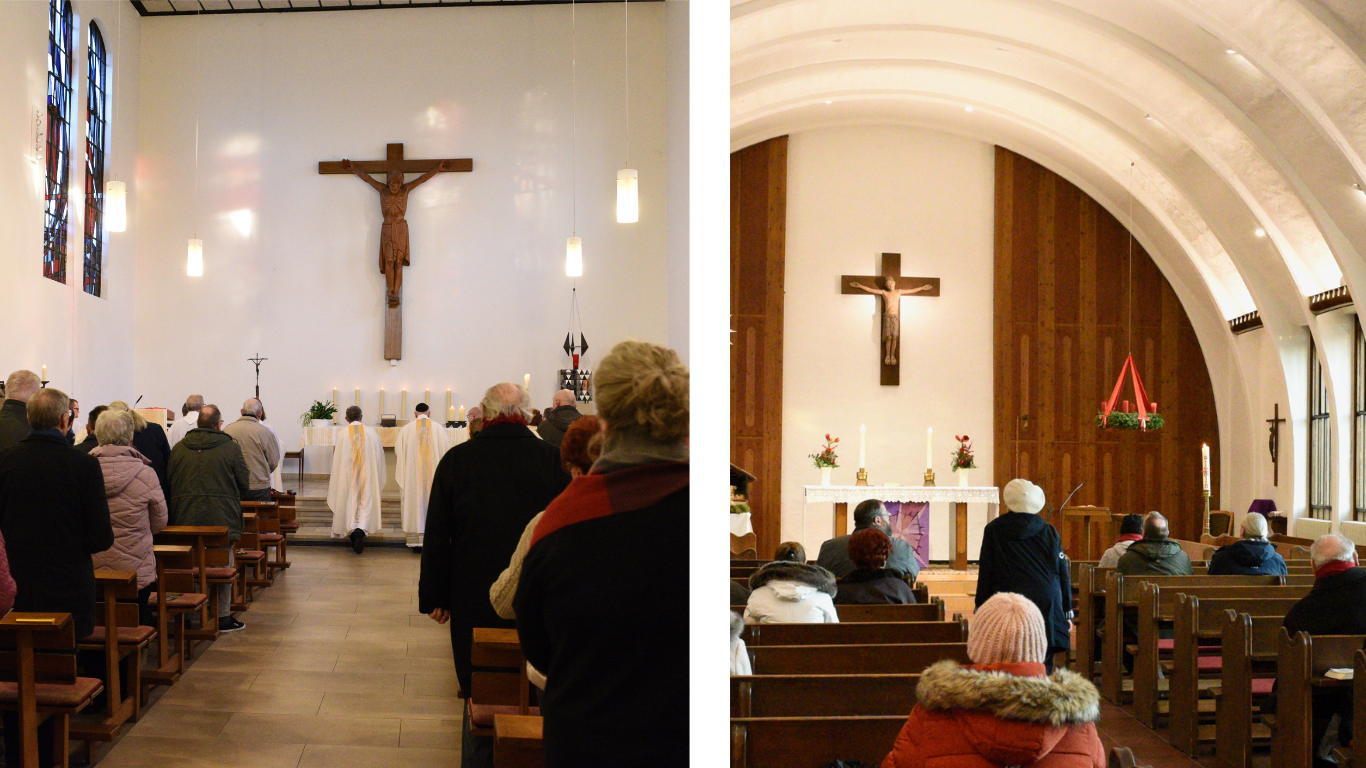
[[1007, 628], [1023, 496]]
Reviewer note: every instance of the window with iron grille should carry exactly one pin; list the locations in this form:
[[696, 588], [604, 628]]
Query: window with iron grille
[[95, 125], [1359, 424], [59, 78], [1320, 442]]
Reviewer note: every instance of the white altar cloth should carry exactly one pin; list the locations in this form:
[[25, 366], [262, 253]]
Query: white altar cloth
[[740, 524]]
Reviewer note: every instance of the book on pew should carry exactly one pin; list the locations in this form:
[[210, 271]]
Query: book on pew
[[1339, 673]]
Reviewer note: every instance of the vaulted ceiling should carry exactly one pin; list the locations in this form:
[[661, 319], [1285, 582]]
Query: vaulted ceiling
[[1222, 118]]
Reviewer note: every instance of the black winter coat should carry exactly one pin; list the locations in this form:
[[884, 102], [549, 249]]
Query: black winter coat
[[557, 423], [1022, 553], [13, 423], [54, 516], [1247, 557], [484, 493], [152, 443], [1335, 606], [873, 587]]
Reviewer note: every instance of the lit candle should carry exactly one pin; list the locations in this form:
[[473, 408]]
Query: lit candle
[[450, 413], [381, 400], [462, 413], [44, 376], [929, 448], [526, 382], [862, 445], [402, 402], [334, 395], [448, 400], [357, 397], [1204, 461], [427, 398]]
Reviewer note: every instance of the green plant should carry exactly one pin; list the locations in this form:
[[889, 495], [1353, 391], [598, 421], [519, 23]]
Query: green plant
[[319, 410], [739, 508], [1122, 420], [962, 455]]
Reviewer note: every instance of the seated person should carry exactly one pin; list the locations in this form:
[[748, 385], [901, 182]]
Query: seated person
[[1252, 555], [1130, 530], [790, 591], [739, 655], [834, 555], [1002, 709], [871, 582], [1154, 554]]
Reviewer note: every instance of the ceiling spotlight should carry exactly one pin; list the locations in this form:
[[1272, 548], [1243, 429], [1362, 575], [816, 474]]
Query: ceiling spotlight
[[1259, 232], [828, 101], [1230, 51], [1359, 188], [1147, 117], [968, 108]]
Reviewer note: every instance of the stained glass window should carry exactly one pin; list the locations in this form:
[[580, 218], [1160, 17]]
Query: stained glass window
[[59, 77], [95, 124]]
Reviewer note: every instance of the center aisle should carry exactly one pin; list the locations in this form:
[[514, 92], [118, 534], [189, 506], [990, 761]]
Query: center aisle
[[335, 669]]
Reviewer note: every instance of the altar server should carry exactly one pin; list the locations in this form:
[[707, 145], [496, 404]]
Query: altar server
[[358, 476], [420, 445]]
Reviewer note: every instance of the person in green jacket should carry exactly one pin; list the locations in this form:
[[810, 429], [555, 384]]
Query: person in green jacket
[[1155, 554], [209, 480]]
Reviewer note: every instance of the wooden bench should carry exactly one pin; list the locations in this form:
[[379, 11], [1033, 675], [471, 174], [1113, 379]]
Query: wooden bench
[[1249, 651], [857, 633], [1302, 661], [517, 742], [903, 658], [1089, 607], [931, 611], [811, 742], [268, 534], [1122, 757], [505, 692], [822, 695], [1344, 754], [38, 679], [210, 546], [174, 599], [118, 635]]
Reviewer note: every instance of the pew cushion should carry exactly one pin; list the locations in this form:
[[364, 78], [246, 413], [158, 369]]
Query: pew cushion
[[247, 554], [481, 715], [127, 636], [223, 573], [271, 538], [55, 696], [1263, 686], [184, 601], [1210, 663]]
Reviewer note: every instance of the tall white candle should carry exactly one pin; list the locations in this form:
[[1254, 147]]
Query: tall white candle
[[526, 381], [1204, 464], [44, 376], [381, 399], [450, 413], [462, 413], [357, 397], [862, 446], [448, 400], [334, 395], [427, 398], [402, 402], [929, 448]]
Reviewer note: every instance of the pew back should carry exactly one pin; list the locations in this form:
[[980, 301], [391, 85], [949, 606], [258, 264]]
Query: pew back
[[822, 695], [903, 658]]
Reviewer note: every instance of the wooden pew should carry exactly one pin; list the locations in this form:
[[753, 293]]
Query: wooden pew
[[1344, 754], [517, 742], [810, 742], [1302, 661], [1249, 652], [1122, 757], [204, 540], [857, 633], [906, 658], [38, 679], [1089, 602], [172, 605], [1199, 622], [822, 695], [118, 635], [931, 611]]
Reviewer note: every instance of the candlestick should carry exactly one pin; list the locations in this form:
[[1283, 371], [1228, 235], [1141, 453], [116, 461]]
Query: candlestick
[[929, 478], [862, 445], [929, 449], [462, 413], [862, 476]]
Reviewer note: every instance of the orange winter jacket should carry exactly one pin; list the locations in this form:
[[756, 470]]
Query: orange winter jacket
[[993, 715]]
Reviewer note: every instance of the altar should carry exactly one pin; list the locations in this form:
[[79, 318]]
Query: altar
[[908, 526]]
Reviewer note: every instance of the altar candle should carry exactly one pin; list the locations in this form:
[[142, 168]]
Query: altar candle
[[334, 395], [929, 448], [44, 376], [462, 413], [1204, 462], [862, 441], [526, 382], [427, 398], [402, 402], [357, 397], [448, 401], [381, 400], [450, 413]]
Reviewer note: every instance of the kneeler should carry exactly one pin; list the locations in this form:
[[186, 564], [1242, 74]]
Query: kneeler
[[121, 638], [499, 705], [38, 679], [175, 598]]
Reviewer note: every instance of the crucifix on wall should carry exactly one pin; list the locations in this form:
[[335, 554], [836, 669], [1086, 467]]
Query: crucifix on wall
[[1274, 443], [891, 285], [393, 236]]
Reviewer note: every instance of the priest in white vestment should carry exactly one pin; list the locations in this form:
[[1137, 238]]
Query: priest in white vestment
[[358, 477], [419, 446], [189, 419]]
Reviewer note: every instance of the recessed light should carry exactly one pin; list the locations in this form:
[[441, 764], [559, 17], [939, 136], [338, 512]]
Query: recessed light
[[1230, 51], [1359, 188], [968, 108], [828, 101], [1259, 232], [1147, 117]]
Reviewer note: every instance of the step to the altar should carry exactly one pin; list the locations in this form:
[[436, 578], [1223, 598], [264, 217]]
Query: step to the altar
[[315, 517], [958, 589]]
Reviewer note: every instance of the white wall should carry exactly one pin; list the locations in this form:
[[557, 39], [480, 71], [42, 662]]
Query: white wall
[[854, 193], [486, 298], [86, 342]]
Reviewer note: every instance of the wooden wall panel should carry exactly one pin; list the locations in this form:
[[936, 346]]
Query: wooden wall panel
[[1062, 329], [758, 227]]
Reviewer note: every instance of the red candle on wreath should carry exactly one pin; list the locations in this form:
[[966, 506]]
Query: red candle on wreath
[[1152, 407], [1126, 406]]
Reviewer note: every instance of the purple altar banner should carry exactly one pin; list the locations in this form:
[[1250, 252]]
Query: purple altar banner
[[911, 522]]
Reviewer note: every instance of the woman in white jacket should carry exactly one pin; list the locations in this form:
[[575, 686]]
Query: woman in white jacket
[[791, 592]]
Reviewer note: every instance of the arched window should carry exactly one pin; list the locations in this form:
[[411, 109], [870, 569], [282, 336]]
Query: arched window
[[59, 78], [95, 116], [1320, 442]]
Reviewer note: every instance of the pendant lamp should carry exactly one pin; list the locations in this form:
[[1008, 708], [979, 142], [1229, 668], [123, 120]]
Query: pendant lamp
[[194, 263], [628, 191], [573, 258], [573, 252], [115, 206]]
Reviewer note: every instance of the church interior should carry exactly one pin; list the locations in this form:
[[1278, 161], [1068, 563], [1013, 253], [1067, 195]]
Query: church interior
[[1123, 241]]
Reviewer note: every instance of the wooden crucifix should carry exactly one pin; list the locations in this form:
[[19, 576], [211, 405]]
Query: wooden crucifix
[[1274, 443], [393, 235], [891, 285]]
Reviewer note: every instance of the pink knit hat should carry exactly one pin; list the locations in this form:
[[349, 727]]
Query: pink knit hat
[[1007, 628]]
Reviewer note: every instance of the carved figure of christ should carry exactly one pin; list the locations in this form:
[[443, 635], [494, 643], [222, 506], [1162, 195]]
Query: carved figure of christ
[[891, 314], [890, 294]]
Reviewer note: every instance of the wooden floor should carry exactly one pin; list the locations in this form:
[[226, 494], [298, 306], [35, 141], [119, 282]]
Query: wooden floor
[[335, 669], [1119, 729]]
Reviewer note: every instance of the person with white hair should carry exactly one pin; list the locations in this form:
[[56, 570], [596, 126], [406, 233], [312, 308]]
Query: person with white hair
[[137, 508], [562, 413], [484, 493], [260, 448], [1022, 553], [1252, 555], [189, 419], [19, 387]]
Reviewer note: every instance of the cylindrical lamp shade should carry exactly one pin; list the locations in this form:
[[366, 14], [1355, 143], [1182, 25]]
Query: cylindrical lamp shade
[[628, 196], [573, 258], [194, 267], [116, 207]]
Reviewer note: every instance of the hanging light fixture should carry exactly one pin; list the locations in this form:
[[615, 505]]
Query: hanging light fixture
[[628, 190], [573, 251], [194, 262], [115, 193]]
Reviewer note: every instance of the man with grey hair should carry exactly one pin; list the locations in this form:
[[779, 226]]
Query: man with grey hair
[[1155, 554], [1252, 555], [484, 493], [189, 419], [19, 387], [871, 513], [259, 447], [1335, 606], [562, 413]]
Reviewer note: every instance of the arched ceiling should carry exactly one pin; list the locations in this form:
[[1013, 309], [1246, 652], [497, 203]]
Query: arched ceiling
[[1222, 118]]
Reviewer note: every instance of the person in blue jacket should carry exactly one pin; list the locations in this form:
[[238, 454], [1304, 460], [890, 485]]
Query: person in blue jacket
[[1253, 555]]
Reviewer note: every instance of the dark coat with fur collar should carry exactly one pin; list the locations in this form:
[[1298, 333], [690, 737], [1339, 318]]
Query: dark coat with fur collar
[[1000, 714], [802, 573]]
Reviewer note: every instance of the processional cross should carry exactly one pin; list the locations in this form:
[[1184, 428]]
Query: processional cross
[[1274, 443], [887, 287], [393, 235], [258, 360]]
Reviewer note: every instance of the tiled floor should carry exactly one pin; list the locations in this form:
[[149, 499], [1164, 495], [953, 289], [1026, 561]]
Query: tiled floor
[[335, 669]]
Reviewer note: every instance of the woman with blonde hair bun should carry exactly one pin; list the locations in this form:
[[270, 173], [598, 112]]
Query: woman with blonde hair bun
[[614, 649]]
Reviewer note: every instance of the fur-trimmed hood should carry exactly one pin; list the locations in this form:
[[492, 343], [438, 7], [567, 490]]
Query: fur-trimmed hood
[[1066, 698], [737, 625], [802, 574]]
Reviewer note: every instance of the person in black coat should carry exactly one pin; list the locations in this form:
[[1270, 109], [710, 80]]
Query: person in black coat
[[150, 440], [1022, 553], [484, 493], [1251, 555], [19, 387], [871, 582], [54, 516]]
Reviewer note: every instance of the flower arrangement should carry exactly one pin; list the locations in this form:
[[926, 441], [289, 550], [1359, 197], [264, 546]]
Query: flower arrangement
[[962, 455], [826, 457], [319, 410], [1121, 420]]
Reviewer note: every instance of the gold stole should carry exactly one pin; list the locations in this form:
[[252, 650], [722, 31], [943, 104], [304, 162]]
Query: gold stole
[[424, 449], [358, 464]]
